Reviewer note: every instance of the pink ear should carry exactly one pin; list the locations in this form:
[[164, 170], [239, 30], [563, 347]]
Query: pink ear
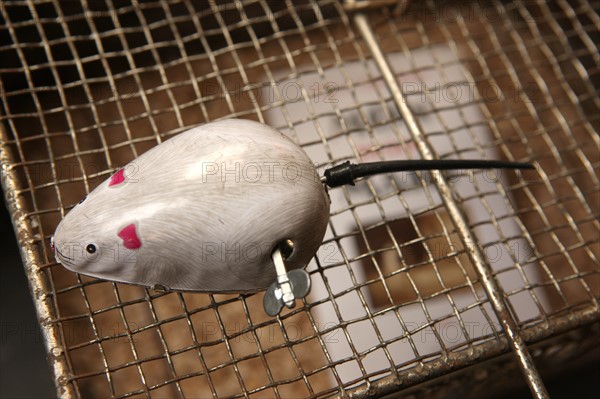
[[130, 237], [117, 178]]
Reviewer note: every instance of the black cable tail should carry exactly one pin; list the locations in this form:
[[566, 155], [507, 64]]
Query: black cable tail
[[347, 172]]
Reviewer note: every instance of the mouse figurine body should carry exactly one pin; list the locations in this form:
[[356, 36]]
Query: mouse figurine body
[[202, 211], [229, 206]]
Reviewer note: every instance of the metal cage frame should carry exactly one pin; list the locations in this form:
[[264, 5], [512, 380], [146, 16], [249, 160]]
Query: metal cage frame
[[525, 43]]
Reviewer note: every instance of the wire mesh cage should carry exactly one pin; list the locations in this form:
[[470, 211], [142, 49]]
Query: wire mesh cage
[[420, 275]]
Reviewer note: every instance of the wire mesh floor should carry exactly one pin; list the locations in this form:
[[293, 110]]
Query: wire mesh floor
[[87, 87]]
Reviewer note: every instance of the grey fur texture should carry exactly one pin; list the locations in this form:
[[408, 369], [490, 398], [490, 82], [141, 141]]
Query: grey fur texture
[[209, 206]]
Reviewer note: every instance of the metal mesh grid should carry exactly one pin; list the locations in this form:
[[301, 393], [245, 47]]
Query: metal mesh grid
[[88, 87]]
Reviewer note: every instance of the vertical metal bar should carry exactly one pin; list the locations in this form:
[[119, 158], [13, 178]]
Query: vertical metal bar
[[37, 281], [474, 251]]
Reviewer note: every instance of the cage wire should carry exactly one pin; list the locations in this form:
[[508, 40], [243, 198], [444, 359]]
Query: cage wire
[[419, 275]]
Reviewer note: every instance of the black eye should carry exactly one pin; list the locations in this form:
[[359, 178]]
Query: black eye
[[83, 199], [90, 248]]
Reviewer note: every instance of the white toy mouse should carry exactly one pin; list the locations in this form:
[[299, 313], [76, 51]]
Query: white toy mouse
[[229, 206]]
